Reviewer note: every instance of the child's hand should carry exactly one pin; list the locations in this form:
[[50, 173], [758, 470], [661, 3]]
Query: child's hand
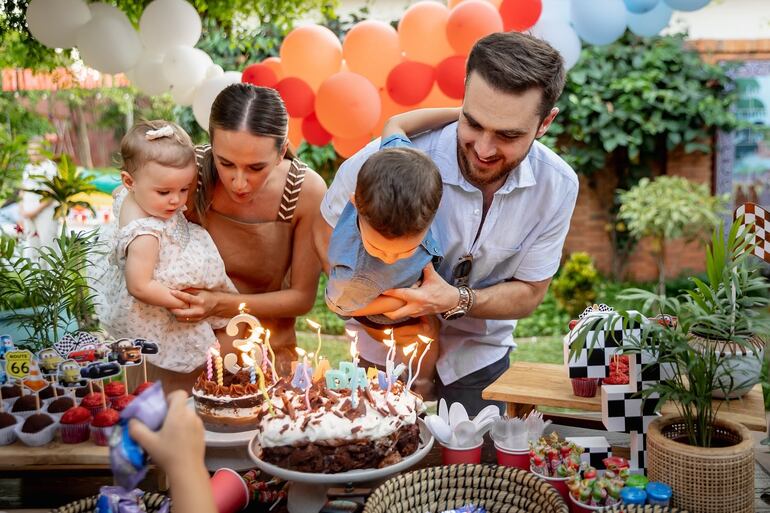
[[198, 304], [179, 445]]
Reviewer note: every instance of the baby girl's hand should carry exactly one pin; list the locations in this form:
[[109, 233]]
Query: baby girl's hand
[[201, 303]]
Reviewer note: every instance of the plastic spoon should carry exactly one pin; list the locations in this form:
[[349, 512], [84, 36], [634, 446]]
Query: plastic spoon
[[443, 410], [440, 429], [466, 434], [457, 414], [490, 411]]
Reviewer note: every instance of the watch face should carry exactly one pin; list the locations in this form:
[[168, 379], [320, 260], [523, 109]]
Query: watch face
[[450, 316]]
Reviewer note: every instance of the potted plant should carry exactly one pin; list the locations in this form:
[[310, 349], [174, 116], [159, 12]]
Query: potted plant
[[708, 461]]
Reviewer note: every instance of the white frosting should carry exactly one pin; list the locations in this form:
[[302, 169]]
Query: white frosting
[[326, 425]]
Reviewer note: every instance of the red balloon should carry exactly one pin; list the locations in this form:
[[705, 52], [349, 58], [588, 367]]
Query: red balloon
[[520, 15], [313, 131], [297, 95], [259, 75], [347, 105], [410, 82], [450, 76]]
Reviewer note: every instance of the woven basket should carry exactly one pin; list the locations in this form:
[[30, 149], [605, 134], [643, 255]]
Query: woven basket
[[498, 489], [152, 503], [706, 480]]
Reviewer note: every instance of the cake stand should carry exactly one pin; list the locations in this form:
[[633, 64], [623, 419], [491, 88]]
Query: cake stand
[[307, 492], [225, 450]]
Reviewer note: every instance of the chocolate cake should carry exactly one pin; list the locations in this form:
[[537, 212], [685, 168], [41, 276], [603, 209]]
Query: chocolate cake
[[229, 408], [333, 435]]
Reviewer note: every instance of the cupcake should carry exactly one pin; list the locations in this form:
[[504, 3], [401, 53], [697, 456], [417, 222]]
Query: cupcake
[[74, 425], [94, 402], [584, 387], [84, 391], [7, 424], [37, 429], [144, 386], [114, 390], [57, 407], [25, 405], [122, 401], [102, 425]]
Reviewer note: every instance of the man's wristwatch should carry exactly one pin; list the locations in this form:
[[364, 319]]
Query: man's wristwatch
[[463, 307]]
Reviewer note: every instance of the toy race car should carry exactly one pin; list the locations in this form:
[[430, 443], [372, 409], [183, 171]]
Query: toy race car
[[99, 370]]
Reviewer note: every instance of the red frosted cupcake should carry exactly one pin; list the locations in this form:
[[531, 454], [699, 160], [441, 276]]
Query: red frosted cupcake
[[121, 402], [144, 386], [102, 426], [584, 387], [74, 425], [114, 390], [94, 402]]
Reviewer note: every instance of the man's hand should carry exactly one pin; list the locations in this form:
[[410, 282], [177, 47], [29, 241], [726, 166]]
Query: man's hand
[[405, 335], [434, 296]]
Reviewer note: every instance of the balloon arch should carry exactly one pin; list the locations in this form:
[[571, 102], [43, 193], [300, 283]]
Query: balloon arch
[[339, 93]]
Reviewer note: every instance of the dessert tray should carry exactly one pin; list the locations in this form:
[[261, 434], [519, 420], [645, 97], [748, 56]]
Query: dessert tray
[[307, 493]]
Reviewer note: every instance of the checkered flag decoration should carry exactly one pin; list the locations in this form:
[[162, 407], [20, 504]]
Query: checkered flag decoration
[[757, 221], [623, 409], [72, 341]]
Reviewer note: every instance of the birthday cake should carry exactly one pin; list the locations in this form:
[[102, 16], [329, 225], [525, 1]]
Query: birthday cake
[[328, 431], [230, 407]]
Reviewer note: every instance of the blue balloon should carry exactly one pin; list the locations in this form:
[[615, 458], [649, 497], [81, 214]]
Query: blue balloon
[[650, 23], [599, 22], [687, 5], [640, 6]]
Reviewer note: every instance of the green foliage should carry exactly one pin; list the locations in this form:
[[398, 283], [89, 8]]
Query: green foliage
[[321, 159], [13, 157], [548, 319], [65, 186], [575, 286], [640, 96], [52, 285], [669, 207]]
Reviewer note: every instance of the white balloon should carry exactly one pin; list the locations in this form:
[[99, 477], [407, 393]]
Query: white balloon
[[185, 67], [148, 74], [167, 23], [55, 23], [215, 70], [182, 96], [562, 37], [109, 43], [599, 22], [207, 92], [102, 9]]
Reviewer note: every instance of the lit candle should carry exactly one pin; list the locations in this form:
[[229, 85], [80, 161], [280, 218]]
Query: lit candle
[[300, 372], [309, 384], [209, 365], [428, 342], [255, 368], [252, 371], [391, 343], [218, 365], [272, 355], [320, 371], [336, 379], [317, 328], [410, 349]]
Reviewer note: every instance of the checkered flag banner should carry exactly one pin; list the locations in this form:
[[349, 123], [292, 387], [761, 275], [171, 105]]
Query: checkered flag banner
[[595, 308], [72, 341], [757, 221]]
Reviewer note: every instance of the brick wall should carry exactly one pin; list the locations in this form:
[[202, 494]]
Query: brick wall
[[588, 231]]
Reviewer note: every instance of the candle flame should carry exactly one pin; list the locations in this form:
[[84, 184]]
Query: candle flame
[[424, 339], [214, 351], [248, 361], [300, 351], [313, 324], [388, 331], [242, 308], [351, 333], [353, 349], [408, 349]]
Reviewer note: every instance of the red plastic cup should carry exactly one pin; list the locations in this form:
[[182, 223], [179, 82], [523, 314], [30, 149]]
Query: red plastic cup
[[453, 455], [560, 483], [230, 491], [513, 458], [575, 506]]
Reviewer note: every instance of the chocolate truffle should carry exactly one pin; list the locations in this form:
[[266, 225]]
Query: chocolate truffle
[[6, 419], [25, 403], [61, 405], [36, 423]]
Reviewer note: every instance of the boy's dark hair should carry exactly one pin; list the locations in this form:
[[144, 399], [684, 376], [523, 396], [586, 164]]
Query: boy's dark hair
[[513, 62], [398, 192]]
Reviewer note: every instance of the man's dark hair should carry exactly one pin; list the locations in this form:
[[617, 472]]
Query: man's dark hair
[[513, 62], [398, 192]]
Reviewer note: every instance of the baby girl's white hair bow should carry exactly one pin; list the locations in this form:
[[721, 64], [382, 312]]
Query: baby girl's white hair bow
[[164, 131]]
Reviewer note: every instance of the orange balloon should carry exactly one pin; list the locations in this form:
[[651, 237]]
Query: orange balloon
[[469, 22], [347, 147], [347, 105], [312, 53], [371, 49], [450, 76], [389, 109], [274, 63], [295, 132], [422, 33], [436, 98], [453, 3]]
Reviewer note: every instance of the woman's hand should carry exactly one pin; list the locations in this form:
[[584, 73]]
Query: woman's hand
[[201, 304]]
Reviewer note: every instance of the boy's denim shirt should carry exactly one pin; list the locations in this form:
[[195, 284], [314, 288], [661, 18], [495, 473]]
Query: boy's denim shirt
[[356, 278]]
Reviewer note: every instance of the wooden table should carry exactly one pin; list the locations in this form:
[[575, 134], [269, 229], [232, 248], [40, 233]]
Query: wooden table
[[526, 385], [54, 456]]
